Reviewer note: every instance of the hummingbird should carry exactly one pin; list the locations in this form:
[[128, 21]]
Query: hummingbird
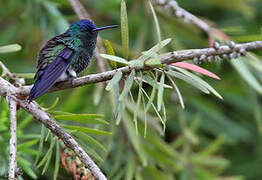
[[65, 55]]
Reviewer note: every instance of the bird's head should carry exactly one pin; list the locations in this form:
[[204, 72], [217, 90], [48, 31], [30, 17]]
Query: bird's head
[[86, 28]]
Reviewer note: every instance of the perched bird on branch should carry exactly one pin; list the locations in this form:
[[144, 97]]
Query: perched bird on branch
[[65, 55]]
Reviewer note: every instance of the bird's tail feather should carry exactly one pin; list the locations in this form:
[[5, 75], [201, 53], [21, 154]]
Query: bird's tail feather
[[51, 74]]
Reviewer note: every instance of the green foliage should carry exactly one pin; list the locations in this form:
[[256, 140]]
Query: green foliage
[[10, 48], [26, 141]]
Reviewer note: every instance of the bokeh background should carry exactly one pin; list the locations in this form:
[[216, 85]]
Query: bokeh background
[[209, 139]]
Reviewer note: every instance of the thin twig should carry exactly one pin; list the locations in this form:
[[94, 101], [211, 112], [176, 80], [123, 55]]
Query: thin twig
[[180, 12], [176, 10], [8, 90], [6, 72], [13, 139], [175, 56], [79, 9]]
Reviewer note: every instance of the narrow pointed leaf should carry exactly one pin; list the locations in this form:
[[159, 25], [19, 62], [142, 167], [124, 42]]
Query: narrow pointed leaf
[[152, 104], [98, 93], [149, 53], [57, 161], [87, 130], [41, 143], [180, 98], [156, 21], [53, 105], [153, 62], [147, 79], [114, 58], [130, 167], [188, 80], [25, 165], [242, 69], [114, 80], [90, 140], [124, 29], [49, 153], [160, 45], [138, 102], [201, 81], [195, 68], [110, 51], [152, 96], [160, 92], [91, 152], [26, 75], [128, 85], [10, 48], [135, 140], [27, 144], [84, 118], [59, 113]]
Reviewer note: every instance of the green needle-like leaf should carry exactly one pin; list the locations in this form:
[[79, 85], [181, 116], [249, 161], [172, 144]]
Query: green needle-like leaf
[[49, 153], [57, 161], [156, 21], [160, 92], [151, 52], [138, 102], [110, 51], [124, 29], [246, 74], [89, 139], [200, 81], [129, 126], [25, 165], [41, 143], [53, 105], [180, 98], [84, 118], [188, 80], [26, 75], [114, 80], [10, 48], [128, 85], [153, 62], [114, 58], [152, 104], [87, 130], [27, 144]]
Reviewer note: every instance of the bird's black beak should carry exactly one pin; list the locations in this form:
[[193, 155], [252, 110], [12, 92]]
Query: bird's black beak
[[106, 27]]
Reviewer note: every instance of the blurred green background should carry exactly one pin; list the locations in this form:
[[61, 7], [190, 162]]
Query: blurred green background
[[209, 139]]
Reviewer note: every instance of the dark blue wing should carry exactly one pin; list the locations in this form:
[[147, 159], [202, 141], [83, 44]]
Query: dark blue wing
[[46, 78]]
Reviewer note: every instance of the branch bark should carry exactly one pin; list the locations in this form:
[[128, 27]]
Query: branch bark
[[79, 9], [13, 140], [180, 12], [175, 56], [176, 10]]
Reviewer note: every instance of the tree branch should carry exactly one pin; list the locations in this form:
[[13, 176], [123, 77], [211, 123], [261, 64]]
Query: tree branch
[[10, 91], [6, 72], [13, 139], [175, 56], [176, 10], [79, 9], [180, 12]]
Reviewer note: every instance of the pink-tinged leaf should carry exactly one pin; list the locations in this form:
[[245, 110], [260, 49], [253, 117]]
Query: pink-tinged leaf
[[195, 68]]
